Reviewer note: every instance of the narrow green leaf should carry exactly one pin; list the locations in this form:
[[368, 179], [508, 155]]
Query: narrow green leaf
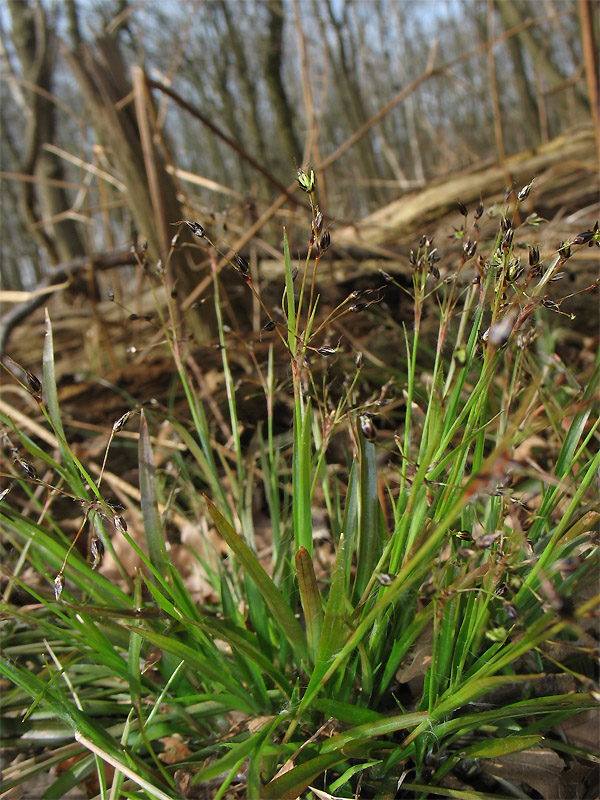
[[496, 748], [332, 634], [280, 611], [311, 600], [152, 527], [369, 540], [291, 784]]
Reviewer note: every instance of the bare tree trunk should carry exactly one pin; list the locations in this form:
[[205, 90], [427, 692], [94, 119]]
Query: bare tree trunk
[[34, 44], [527, 99], [126, 132], [512, 16], [248, 85], [277, 93]]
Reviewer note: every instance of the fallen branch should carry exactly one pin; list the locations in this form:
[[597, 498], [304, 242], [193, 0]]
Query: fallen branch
[[60, 274]]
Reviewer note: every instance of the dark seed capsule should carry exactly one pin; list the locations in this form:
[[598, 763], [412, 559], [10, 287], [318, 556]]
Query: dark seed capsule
[[174, 294], [4, 492], [96, 551], [367, 427], [34, 383], [583, 237], [524, 193], [270, 325], [318, 223], [30, 470], [325, 241], [59, 583], [356, 308], [462, 208], [120, 423], [478, 211], [242, 265], [120, 524], [294, 274], [564, 250], [326, 350], [197, 229], [534, 256], [549, 303], [507, 239], [133, 317], [359, 360]]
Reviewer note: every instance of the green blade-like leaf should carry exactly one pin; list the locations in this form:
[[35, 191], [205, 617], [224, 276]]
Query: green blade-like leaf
[[311, 600], [332, 634], [149, 502], [280, 611]]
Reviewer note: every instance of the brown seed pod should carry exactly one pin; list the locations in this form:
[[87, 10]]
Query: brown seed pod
[[367, 427]]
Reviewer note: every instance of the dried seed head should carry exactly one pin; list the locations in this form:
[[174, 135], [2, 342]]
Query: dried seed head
[[96, 551], [120, 524], [515, 270], [4, 492], [120, 423], [507, 239], [30, 470], [359, 360], [318, 223], [469, 249], [524, 193], [325, 242], [564, 250], [326, 350], [478, 211], [133, 317], [294, 274], [367, 427], [197, 229], [270, 325], [59, 583], [534, 255], [242, 265], [583, 237], [549, 303], [462, 208], [34, 383]]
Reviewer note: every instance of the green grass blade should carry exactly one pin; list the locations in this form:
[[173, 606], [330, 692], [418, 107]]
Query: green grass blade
[[311, 601], [149, 502], [271, 595]]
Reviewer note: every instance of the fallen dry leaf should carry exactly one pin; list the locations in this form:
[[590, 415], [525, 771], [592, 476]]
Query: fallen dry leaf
[[175, 749]]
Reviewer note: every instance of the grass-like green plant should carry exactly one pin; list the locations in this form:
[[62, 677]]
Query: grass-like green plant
[[459, 548]]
